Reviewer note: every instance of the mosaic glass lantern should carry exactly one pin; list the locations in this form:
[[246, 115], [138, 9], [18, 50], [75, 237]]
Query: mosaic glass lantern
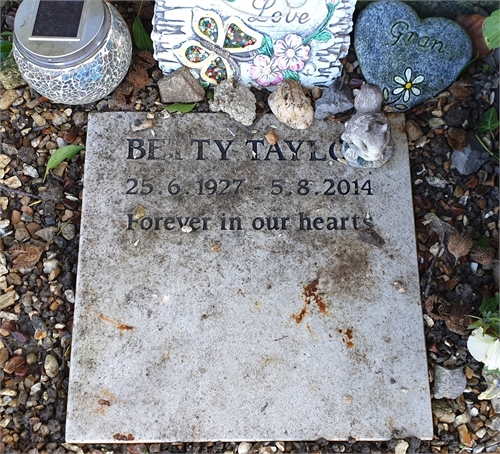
[[71, 51]]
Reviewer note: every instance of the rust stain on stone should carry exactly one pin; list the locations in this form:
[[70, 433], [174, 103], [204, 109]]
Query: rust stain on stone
[[300, 316], [120, 326], [310, 294], [347, 337], [309, 328], [109, 400], [122, 437]]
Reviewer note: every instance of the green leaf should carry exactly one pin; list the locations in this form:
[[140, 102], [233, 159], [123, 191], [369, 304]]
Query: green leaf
[[288, 74], [267, 47], [5, 48], [179, 107], [491, 30], [6, 34], [323, 36], [489, 305], [489, 122], [60, 155], [483, 242], [141, 37], [475, 325], [495, 155]]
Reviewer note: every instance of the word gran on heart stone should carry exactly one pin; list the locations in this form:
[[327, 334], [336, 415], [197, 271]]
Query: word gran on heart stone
[[410, 59], [230, 289], [259, 42]]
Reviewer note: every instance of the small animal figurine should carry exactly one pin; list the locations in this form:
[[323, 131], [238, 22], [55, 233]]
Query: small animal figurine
[[367, 138]]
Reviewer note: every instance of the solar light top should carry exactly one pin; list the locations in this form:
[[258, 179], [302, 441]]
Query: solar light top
[[60, 31], [58, 19]]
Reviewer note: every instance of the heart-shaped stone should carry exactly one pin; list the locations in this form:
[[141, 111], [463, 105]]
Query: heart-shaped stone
[[410, 59]]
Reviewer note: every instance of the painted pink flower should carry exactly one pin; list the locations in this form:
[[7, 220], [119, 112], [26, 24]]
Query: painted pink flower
[[291, 53], [265, 71]]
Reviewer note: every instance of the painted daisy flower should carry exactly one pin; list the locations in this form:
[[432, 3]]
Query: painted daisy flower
[[265, 71], [407, 85], [484, 348], [291, 53]]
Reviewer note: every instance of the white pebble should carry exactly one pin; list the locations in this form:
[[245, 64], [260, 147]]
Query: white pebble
[[401, 447], [51, 366], [481, 432], [30, 171], [434, 249], [70, 296], [49, 265], [429, 321], [36, 388], [244, 448]]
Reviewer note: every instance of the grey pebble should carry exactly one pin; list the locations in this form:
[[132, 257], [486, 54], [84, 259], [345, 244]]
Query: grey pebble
[[448, 383], [69, 232], [495, 403], [468, 161], [493, 423], [180, 86], [334, 100], [436, 182]]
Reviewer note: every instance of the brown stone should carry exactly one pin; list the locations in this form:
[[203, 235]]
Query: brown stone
[[7, 98], [15, 218], [457, 138], [413, 130], [462, 90], [14, 279], [459, 191], [32, 228], [464, 436], [475, 424]]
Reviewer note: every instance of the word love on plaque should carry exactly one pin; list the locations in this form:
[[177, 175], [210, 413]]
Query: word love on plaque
[[259, 42]]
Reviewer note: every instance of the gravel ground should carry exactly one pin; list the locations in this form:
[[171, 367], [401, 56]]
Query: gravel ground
[[39, 233]]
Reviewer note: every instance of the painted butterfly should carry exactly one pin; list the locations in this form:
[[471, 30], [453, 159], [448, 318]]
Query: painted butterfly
[[215, 55]]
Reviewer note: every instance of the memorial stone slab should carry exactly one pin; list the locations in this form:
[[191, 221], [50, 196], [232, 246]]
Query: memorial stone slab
[[229, 289], [259, 43], [411, 60]]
